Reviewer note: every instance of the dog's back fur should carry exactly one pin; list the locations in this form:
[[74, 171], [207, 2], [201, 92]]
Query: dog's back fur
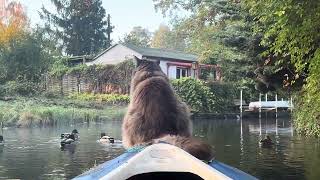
[[154, 110]]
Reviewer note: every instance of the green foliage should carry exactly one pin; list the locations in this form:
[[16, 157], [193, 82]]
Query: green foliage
[[219, 33], [59, 67], [119, 74], [290, 29], [42, 112], [291, 36], [24, 59], [165, 38], [106, 98], [307, 114], [196, 94], [23, 88], [80, 25], [138, 36], [224, 94]]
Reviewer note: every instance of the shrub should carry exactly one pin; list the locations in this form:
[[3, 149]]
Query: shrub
[[2, 90], [196, 94], [224, 93], [107, 98], [307, 114], [23, 88], [50, 94]]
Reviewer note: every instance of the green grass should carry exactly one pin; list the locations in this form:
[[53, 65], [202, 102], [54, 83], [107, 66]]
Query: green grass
[[46, 112], [105, 98]]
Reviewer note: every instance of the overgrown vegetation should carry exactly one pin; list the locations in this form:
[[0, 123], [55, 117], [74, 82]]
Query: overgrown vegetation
[[44, 112], [204, 97], [307, 114], [115, 99], [97, 76], [220, 32], [25, 54], [262, 46], [291, 36]]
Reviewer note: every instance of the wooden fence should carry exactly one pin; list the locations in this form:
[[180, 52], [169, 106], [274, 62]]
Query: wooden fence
[[70, 84]]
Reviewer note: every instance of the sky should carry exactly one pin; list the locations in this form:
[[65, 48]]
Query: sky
[[125, 14]]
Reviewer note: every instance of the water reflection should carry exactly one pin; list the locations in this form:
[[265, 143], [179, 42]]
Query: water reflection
[[291, 157], [36, 154]]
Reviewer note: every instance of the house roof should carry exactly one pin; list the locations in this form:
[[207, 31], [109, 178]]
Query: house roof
[[157, 53], [163, 53], [80, 58]]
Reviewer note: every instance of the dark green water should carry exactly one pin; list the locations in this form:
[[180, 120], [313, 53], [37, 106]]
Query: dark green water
[[35, 153]]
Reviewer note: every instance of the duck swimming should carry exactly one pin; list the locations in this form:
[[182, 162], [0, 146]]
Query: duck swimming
[[74, 132], [67, 140], [267, 141], [106, 139]]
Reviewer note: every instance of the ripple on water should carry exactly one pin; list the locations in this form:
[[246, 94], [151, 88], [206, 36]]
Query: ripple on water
[[36, 153]]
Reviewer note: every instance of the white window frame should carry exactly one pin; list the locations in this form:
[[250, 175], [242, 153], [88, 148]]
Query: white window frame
[[180, 74]]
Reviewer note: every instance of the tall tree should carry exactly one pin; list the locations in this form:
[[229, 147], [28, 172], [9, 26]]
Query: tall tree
[[80, 24], [13, 24], [137, 36], [216, 31], [166, 38], [291, 36]]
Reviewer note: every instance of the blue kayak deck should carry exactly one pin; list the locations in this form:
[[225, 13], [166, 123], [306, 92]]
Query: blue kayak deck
[[105, 168]]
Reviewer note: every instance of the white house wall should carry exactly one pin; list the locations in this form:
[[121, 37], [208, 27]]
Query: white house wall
[[164, 66], [192, 73], [172, 72], [115, 55]]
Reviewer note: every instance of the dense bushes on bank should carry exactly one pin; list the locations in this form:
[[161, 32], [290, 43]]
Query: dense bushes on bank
[[195, 93], [307, 106], [225, 93], [205, 97], [106, 98], [21, 88]]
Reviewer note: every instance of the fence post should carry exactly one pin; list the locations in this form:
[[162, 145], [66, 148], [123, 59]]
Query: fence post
[[266, 97], [291, 104], [241, 101], [260, 105], [276, 114]]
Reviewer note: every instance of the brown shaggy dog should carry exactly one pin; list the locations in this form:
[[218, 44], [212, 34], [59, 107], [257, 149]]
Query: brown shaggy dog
[[156, 114]]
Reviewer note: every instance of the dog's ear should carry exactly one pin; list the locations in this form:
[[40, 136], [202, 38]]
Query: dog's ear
[[136, 61]]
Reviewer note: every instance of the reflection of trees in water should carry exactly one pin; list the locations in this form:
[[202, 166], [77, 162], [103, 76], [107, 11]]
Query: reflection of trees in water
[[292, 157], [37, 153], [223, 135]]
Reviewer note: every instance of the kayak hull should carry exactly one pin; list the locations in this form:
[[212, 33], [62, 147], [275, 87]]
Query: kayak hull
[[161, 158]]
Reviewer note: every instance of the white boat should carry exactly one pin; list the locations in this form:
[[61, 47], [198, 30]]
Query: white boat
[[162, 161]]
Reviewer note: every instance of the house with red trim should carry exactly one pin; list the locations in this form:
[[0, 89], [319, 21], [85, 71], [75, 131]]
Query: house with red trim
[[174, 64]]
